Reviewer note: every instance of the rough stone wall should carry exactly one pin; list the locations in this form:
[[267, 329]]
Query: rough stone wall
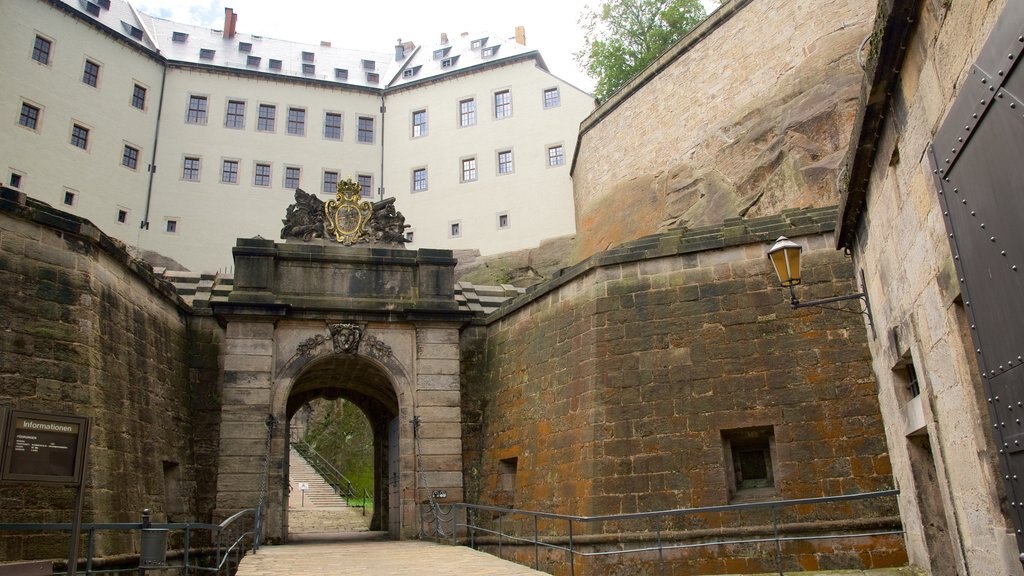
[[613, 388], [901, 242], [749, 115], [88, 330]]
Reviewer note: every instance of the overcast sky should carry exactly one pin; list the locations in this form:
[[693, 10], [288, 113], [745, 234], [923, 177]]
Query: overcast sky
[[551, 25]]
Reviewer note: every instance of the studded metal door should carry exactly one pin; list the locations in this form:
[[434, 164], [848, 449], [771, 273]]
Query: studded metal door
[[978, 161]]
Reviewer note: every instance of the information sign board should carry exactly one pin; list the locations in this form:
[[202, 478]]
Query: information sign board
[[48, 448]]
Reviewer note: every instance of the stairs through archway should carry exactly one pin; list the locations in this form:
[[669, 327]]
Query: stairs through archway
[[318, 510]]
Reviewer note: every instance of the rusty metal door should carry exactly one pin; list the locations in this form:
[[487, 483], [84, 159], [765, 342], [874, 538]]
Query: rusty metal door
[[978, 162]]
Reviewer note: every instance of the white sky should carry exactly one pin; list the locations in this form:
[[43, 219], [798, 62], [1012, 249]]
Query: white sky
[[551, 25]]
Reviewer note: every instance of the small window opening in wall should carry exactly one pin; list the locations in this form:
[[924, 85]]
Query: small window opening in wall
[[503, 221], [409, 236], [905, 379], [122, 216], [454, 229], [69, 198], [506, 493], [172, 227], [913, 386], [749, 462], [15, 180]]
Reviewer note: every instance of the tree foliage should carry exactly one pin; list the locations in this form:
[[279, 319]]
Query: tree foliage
[[340, 432], [623, 36]]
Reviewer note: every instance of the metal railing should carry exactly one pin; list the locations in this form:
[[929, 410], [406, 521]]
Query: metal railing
[[335, 479], [228, 541], [656, 539]]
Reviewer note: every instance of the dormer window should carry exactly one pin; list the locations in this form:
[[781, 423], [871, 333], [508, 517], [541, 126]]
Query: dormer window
[[206, 53], [93, 9], [179, 37], [372, 77], [252, 61], [309, 69], [441, 53], [369, 65], [489, 51], [478, 43], [132, 30], [410, 72], [340, 74], [308, 57], [449, 62], [245, 47], [275, 64]]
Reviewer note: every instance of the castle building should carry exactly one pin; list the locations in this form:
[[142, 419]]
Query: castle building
[[179, 139]]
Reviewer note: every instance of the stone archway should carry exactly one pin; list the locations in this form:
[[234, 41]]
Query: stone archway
[[381, 326]]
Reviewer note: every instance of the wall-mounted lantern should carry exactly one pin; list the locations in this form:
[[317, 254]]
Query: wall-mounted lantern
[[785, 258]]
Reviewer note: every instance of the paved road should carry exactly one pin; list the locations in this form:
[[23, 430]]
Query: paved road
[[370, 554]]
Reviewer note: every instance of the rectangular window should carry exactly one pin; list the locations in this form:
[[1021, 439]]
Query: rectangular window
[[196, 110], [449, 62], [80, 136], [206, 53], [365, 185], [91, 73], [505, 162], [467, 112], [291, 177], [332, 126], [341, 74], [15, 180], [190, 169], [468, 169], [330, 182], [748, 459], [253, 61], [556, 156], [369, 65], [308, 57], [419, 179], [503, 221], [122, 216], [41, 50], [262, 175], [69, 198], [130, 157], [309, 68], [245, 47], [454, 229], [297, 121], [419, 123], [274, 64], [502, 104], [229, 172], [551, 98], [265, 121], [171, 227], [410, 236], [139, 97], [235, 116], [29, 116], [489, 51], [179, 37], [372, 77], [365, 134]]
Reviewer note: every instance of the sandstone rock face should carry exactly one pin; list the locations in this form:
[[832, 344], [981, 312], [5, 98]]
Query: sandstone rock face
[[753, 118]]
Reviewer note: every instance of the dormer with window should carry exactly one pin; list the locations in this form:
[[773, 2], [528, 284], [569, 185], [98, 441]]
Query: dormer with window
[[341, 74], [245, 47], [489, 51], [132, 31], [373, 78], [441, 52], [411, 72], [92, 8], [275, 64], [449, 62], [179, 37], [206, 54], [309, 69], [308, 57], [478, 43], [253, 61], [369, 65]]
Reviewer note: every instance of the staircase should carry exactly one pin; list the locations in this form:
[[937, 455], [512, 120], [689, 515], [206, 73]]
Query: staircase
[[320, 493]]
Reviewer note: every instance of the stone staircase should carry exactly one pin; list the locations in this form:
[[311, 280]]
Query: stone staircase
[[320, 493]]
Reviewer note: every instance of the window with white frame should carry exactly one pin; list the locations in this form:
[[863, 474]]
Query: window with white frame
[[229, 172], [80, 136], [419, 179], [419, 123], [266, 117], [330, 184], [556, 155], [261, 175], [332, 125], [190, 169], [552, 99], [292, 175], [467, 112], [468, 169], [502, 104], [234, 117], [505, 162], [196, 110], [365, 130], [297, 121], [365, 185]]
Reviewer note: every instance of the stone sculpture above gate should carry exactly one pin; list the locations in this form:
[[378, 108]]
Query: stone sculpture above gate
[[348, 218]]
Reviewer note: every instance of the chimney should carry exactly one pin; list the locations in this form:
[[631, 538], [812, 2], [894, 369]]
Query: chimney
[[444, 37], [521, 35], [325, 43], [399, 50], [230, 20]]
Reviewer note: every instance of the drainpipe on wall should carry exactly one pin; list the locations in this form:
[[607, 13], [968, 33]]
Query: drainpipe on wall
[[144, 225], [383, 109]]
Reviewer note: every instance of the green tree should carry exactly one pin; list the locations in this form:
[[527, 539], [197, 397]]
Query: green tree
[[623, 36], [340, 432]]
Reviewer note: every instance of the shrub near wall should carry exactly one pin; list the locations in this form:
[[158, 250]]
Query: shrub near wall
[[624, 385], [88, 330]]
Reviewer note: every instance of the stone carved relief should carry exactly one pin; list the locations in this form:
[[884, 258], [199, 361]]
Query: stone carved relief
[[347, 219], [346, 337], [377, 349]]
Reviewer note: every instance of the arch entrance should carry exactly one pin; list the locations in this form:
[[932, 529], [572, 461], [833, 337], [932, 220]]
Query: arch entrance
[[377, 327]]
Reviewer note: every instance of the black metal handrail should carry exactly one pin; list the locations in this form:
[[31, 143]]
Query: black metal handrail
[[568, 541], [226, 555], [335, 479]]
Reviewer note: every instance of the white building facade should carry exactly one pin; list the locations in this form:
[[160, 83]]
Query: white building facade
[[179, 139]]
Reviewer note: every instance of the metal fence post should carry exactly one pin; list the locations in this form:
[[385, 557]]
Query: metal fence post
[[778, 544], [536, 547], [572, 553], [501, 530], [661, 551]]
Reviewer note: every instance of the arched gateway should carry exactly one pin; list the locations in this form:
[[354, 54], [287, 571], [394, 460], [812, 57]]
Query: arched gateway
[[330, 314]]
